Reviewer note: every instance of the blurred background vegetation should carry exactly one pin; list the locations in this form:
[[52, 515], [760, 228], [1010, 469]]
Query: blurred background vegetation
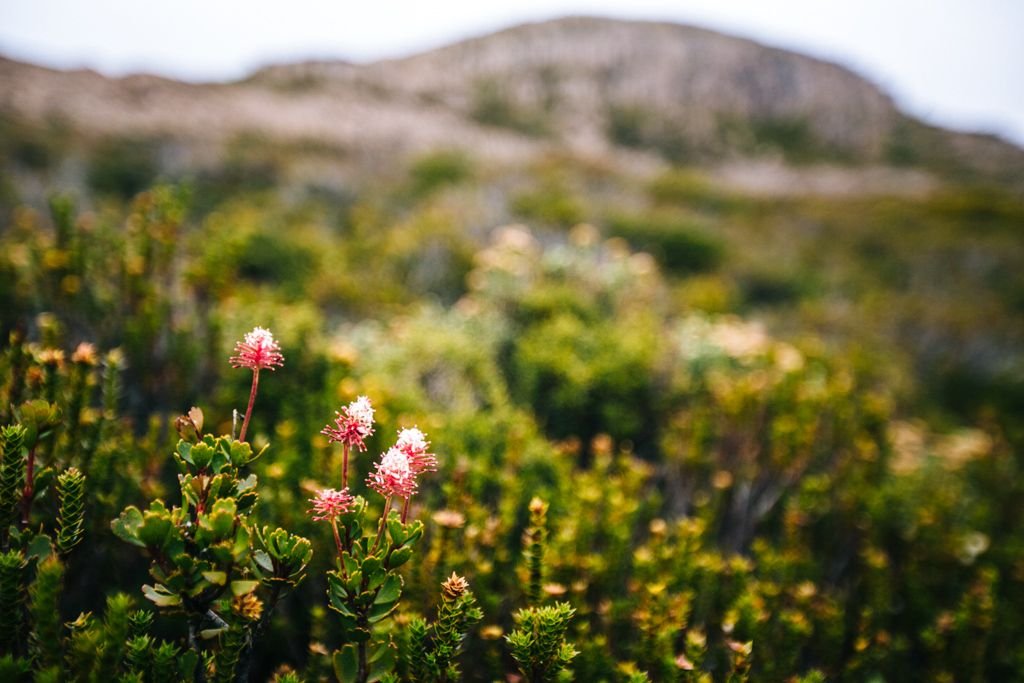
[[791, 418]]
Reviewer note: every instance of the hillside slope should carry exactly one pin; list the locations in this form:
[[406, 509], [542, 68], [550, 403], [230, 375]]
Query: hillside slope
[[643, 92]]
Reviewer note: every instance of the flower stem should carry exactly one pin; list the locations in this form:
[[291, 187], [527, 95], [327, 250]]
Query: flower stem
[[337, 537], [405, 509], [362, 674], [383, 522], [344, 466], [252, 399]]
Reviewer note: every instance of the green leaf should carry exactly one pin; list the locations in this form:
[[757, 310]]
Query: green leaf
[[240, 453], [396, 530], [156, 529], [247, 483], [263, 561], [359, 635], [239, 588], [201, 454], [386, 599], [413, 532], [185, 452], [379, 612], [400, 557], [160, 597], [216, 578], [390, 590], [126, 527], [371, 565], [383, 654], [43, 479], [346, 664], [187, 664], [39, 548], [208, 633]]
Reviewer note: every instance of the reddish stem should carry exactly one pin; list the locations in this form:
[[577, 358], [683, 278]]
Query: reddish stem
[[405, 509], [337, 540], [252, 399], [383, 522], [344, 466], [26, 496]]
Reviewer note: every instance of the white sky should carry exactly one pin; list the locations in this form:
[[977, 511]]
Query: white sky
[[958, 63]]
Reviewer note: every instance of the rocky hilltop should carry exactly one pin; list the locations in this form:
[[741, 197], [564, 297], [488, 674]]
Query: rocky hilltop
[[648, 93]]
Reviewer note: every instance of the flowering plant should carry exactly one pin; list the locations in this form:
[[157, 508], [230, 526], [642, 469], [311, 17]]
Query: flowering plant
[[257, 351], [210, 560], [365, 587]]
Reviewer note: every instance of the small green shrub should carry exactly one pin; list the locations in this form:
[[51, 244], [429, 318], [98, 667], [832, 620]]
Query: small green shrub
[[680, 245]]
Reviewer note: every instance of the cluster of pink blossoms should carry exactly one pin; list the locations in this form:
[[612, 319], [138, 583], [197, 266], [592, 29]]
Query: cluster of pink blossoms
[[414, 444], [353, 424], [258, 351], [394, 475]]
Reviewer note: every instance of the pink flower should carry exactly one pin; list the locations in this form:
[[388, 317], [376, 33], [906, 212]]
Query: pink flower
[[330, 504], [394, 475], [414, 444], [353, 424], [257, 351]]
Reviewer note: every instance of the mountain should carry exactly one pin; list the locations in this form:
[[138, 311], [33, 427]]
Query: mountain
[[639, 92]]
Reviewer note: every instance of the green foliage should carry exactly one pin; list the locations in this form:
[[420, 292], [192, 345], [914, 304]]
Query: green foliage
[[165, 663], [123, 167], [209, 558], [538, 643], [585, 378], [800, 496], [366, 589], [437, 170], [71, 517], [268, 257], [534, 539], [552, 205], [433, 647], [679, 245], [114, 637], [637, 127], [12, 600], [682, 188], [32, 145], [12, 474], [494, 106], [48, 631]]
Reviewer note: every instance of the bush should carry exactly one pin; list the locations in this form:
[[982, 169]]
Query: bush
[[680, 245], [123, 167]]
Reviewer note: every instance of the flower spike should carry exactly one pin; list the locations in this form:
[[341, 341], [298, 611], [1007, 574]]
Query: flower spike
[[394, 475], [414, 444], [353, 424], [329, 504], [258, 351]]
